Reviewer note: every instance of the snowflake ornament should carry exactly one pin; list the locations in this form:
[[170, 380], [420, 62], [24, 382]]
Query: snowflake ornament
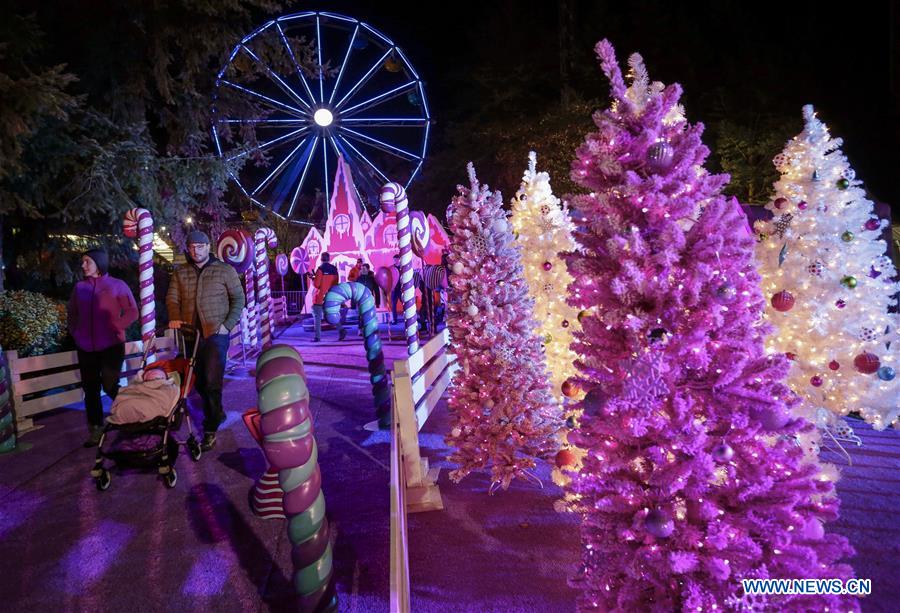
[[645, 381]]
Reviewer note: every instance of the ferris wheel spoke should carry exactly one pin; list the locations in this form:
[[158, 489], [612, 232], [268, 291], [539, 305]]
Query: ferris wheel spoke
[[287, 46], [343, 64], [281, 106], [365, 78], [378, 144], [386, 122], [269, 123], [393, 93], [363, 158], [263, 146], [321, 68], [279, 168], [310, 154], [277, 79]]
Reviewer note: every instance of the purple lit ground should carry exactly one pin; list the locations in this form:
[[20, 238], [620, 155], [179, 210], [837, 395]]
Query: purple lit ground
[[140, 547]]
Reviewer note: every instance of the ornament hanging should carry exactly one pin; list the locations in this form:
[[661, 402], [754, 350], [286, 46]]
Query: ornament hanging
[[659, 524], [659, 157], [783, 301], [867, 363], [847, 236], [849, 282], [842, 183], [722, 453], [783, 224], [886, 373], [816, 269]]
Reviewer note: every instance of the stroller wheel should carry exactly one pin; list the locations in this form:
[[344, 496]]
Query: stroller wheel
[[170, 478], [194, 448], [102, 482]]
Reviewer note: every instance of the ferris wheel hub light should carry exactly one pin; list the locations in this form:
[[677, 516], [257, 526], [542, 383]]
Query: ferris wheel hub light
[[323, 117]]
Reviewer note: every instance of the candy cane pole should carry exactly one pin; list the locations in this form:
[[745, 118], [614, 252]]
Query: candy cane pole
[[264, 237], [362, 300], [252, 311], [393, 197], [139, 223], [290, 448]]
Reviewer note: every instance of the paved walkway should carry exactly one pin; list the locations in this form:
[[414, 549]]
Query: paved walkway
[[140, 547]]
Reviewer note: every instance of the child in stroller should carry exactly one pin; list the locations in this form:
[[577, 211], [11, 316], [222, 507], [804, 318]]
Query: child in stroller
[[145, 417]]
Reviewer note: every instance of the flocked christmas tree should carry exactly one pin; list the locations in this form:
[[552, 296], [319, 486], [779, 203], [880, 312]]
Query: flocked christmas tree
[[692, 480], [543, 230], [830, 284], [503, 415]]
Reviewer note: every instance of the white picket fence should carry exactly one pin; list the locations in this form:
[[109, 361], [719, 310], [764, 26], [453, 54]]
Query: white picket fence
[[419, 382], [47, 382]]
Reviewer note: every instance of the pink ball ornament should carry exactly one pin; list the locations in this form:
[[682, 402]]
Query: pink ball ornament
[[547, 266], [840, 303], [802, 205], [457, 268], [834, 364], [594, 401], [770, 418], [722, 453], [816, 381], [726, 293], [660, 156], [565, 323], [780, 203], [813, 530], [783, 301], [873, 224], [867, 363], [659, 524]]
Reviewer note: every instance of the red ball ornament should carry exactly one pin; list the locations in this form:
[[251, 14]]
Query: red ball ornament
[[565, 458], [867, 363], [816, 381], [547, 265], [569, 389], [873, 224], [565, 323], [834, 364], [783, 301], [780, 203]]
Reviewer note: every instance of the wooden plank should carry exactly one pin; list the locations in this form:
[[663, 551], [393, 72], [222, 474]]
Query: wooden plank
[[46, 403], [426, 407], [426, 352], [399, 570], [427, 377], [46, 382], [405, 416], [45, 362]]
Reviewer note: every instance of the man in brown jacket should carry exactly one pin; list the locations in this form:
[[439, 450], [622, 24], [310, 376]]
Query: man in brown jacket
[[207, 294]]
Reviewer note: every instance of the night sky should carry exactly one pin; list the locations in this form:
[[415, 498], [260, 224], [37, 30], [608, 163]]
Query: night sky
[[746, 58]]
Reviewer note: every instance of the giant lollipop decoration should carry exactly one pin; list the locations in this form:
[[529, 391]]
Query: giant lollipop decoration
[[290, 447], [299, 261], [264, 237], [139, 224], [281, 265], [235, 247], [393, 198], [363, 301], [418, 224]]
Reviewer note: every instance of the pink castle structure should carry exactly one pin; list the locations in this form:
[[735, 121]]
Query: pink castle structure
[[351, 233]]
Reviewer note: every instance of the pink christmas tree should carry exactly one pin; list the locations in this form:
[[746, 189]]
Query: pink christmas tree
[[693, 480], [503, 415]]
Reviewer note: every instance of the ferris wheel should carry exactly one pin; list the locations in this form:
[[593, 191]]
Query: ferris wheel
[[303, 89]]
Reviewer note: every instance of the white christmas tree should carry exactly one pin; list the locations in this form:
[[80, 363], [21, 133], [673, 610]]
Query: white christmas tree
[[544, 230], [830, 284]]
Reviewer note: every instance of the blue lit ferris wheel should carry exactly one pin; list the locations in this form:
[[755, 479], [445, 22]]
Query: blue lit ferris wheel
[[303, 89]]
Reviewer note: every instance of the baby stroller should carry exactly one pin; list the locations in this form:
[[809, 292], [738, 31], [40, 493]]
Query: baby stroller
[[152, 443]]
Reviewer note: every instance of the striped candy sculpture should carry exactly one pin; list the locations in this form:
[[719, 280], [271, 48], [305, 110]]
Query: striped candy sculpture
[[393, 198], [139, 224], [7, 424], [362, 300], [290, 448], [264, 237], [252, 308]]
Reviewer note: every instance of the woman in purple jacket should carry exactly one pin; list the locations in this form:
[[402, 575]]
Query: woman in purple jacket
[[100, 309]]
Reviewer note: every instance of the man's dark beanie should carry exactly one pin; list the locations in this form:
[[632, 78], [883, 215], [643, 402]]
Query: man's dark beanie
[[101, 259]]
